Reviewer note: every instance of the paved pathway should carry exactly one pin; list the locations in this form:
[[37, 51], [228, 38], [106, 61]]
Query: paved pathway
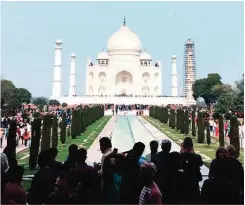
[[94, 154], [133, 112]]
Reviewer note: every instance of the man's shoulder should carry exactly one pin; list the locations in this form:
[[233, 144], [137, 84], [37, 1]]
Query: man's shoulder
[[14, 188]]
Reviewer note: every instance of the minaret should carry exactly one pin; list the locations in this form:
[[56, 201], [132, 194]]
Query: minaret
[[57, 70], [189, 75], [174, 86], [72, 88]]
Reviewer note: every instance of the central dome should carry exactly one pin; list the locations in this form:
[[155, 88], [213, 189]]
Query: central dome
[[124, 39]]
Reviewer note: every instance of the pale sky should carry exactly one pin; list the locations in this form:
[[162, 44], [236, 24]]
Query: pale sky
[[29, 31]]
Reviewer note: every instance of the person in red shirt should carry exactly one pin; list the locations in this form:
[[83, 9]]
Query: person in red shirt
[[226, 127], [150, 193], [13, 191], [26, 136]]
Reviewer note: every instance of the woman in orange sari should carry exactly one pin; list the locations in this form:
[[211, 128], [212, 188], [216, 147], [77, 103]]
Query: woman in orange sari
[[26, 136]]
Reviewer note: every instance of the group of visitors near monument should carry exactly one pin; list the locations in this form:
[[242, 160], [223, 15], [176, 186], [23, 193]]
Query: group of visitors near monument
[[126, 178], [122, 178]]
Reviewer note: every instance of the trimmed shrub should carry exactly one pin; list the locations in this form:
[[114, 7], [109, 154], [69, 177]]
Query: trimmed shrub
[[234, 134], [201, 128], [182, 124], [208, 134], [186, 123], [177, 120], [35, 142], [55, 132], [74, 126], [46, 131], [193, 124], [221, 131], [63, 129], [11, 142]]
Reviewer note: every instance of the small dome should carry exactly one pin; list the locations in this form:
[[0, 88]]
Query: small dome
[[174, 56], [103, 55], [124, 39], [145, 56], [73, 55]]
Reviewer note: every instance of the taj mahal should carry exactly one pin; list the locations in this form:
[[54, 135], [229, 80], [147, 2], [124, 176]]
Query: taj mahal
[[122, 74]]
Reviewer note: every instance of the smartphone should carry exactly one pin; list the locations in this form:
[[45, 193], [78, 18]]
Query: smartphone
[[115, 150]]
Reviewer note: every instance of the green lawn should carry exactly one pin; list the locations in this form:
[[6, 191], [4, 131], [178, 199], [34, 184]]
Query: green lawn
[[85, 141], [207, 153]]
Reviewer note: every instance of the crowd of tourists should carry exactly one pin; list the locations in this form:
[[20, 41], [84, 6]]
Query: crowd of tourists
[[127, 178], [23, 131]]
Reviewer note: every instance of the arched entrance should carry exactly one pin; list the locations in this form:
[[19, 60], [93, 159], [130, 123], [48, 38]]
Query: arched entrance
[[124, 83]]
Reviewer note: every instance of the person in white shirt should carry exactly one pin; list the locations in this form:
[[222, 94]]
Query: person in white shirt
[[211, 125]]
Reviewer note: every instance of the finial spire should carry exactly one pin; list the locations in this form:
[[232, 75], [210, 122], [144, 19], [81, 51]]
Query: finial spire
[[124, 21]]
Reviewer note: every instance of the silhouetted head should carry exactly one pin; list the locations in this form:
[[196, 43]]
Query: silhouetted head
[[154, 146], [166, 146], [187, 143], [174, 161], [221, 153], [53, 153], [72, 149], [43, 159], [15, 174], [81, 156], [61, 185], [105, 144], [138, 148], [231, 153], [147, 173]]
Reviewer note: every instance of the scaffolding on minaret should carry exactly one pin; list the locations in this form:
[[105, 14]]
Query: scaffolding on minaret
[[189, 74]]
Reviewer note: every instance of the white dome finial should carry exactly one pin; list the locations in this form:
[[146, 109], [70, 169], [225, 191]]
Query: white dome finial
[[58, 41]]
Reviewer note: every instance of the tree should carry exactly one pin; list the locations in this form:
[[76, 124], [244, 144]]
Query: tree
[[23, 95], [64, 105], [239, 100], [14, 103], [226, 98], [13, 97], [35, 142], [54, 103], [234, 134], [204, 88], [40, 101], [7, 89], [63, 129], [221, 131], [45, 143], [55, 132]]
